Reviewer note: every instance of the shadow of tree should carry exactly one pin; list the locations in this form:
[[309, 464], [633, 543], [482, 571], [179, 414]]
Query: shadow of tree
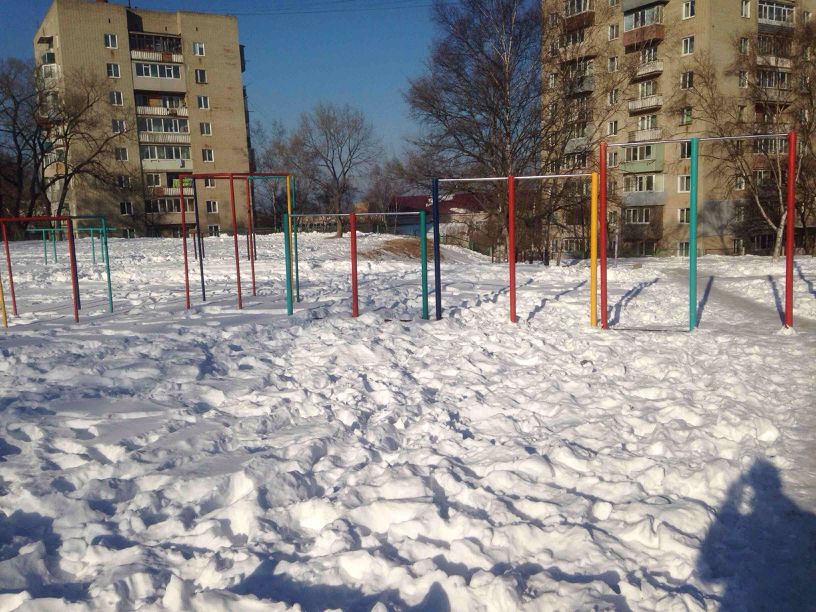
[[762, 546]]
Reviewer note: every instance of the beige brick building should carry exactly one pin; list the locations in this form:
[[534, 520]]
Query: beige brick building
[[173, 88], [664, 45]]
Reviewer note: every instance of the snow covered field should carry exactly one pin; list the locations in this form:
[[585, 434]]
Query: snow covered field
[[224, 460]]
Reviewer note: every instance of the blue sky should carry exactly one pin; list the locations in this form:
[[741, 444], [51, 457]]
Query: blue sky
[[300, 52]]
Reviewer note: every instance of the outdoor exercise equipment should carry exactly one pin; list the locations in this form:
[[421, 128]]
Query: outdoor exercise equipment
[[511, 226], [693, 205], [290, 253], [251, 246]]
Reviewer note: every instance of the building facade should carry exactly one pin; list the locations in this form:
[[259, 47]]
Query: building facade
[[172, 102], [689, 68]]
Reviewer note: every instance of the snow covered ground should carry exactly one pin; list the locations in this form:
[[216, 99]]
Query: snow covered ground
[[226, 460]]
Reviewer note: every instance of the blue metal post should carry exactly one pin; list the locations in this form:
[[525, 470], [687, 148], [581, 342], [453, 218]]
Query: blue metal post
[[423, 258], [287, 255]]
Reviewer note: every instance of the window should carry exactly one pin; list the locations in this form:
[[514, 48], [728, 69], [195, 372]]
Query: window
[[118, 126], [153, 180], [612, 158], [612, 128], [203, 102], [744, 46], [158, 71], [123, 182], [648, 53], [612, 64], [126, 208], [158, 152], [111, 42], [209, 183], [683, 216], [688, 45], [639, 215], [775, 12], [116, 98], [743, 79], [686, 116], [647, 122], [643, 182], [774, 79], [614, 31], [113, 71], [687, 80], [688, 9], [762, 177], [198, 49], [682, 249], [212, 207], [739, 246], [214, 230], [200, 75], [206, 128], [685, 149], [613, 96], [640, 153], [647, 88], [745, 8], [684, 183], [739, 183], [207, 155], [128, 232], [163, 124], [643, 17], [614, 2], [121, 153]]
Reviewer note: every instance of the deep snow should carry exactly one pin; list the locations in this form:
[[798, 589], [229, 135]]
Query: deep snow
[[217, 459]]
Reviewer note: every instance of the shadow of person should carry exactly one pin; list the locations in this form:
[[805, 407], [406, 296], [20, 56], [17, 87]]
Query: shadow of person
[[762, 546]]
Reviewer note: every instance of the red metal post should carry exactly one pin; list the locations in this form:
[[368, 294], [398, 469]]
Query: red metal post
[[791, 214], [353, 236], [72, 256], [8, 267], [602, 232], [250, 250], [235, 242], [511, 243], [184, 242]]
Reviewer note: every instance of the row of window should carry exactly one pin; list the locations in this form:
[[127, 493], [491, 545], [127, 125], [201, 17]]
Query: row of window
[[163, 152], [153, 179], [167, 205], [112, 42], [156, 71]]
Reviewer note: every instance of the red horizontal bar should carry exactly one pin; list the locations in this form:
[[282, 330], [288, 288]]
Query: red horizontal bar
[[19, 219]]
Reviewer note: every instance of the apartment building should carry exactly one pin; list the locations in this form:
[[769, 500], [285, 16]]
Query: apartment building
[[660, 48], [173, 98]]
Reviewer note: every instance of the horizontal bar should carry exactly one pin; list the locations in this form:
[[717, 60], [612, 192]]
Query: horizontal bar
[[553, 176], [390, 214], [473, 180], [20, 219], [751, 137], [321, 215], [701, 139]]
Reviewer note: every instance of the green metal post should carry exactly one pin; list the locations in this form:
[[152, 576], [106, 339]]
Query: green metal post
[[288, 257], [54, 242], [93, 248], [423, 257], [45, 247], [103, 237], [295, 244], [695, 146]]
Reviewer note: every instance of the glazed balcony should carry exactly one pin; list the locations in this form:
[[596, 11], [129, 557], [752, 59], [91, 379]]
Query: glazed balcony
[[640, 36]]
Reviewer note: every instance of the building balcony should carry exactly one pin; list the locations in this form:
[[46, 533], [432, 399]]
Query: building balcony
[[164, 138], [639, 36], [642, 166], [167, 165], [582, 84], [652, 68], [774, 23], [772, 94], [580, 20], [645, 135], [644, 198], [576, 145], [157, 56], [774, 61], [160, 111], [160, 84], [163, 192], [647, 103]]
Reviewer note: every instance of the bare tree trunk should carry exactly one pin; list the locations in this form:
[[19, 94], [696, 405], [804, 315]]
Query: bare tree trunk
[[780, 233]]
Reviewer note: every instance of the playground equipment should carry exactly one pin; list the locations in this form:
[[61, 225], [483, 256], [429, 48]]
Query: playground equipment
[[693, 197], [511, 224], [49, 234], [251, 246], [352, 217]]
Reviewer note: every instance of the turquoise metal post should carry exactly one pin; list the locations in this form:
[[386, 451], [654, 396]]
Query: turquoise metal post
[[295, 244], [693, 192], [423, 258], [93, 248], [45, 247], [54, 242], [103, 239], [288, 257]]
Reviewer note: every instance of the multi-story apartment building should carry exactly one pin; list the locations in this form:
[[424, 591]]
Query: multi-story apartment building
[[172, 91], [689, 68]]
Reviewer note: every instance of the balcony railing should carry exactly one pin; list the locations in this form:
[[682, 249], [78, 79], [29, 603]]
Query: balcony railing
[[157, 56], [159, 192], [776, 23], [164, 138], [645, 135], [774, 61], [655, 31], [648, 102], [650, 68], [161, 111]]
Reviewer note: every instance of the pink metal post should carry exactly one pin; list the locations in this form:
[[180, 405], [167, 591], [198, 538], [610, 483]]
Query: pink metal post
[[184, 243], [790, 229], [251, 250], [235, 242], [8, 267], [353, 236], [511, 243], [602, 232]]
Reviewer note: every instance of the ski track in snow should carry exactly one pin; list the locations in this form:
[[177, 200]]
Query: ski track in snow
[[225, 459]]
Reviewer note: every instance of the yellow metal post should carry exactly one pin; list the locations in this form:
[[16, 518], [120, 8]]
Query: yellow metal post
[[593, 252], [3, 303]]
